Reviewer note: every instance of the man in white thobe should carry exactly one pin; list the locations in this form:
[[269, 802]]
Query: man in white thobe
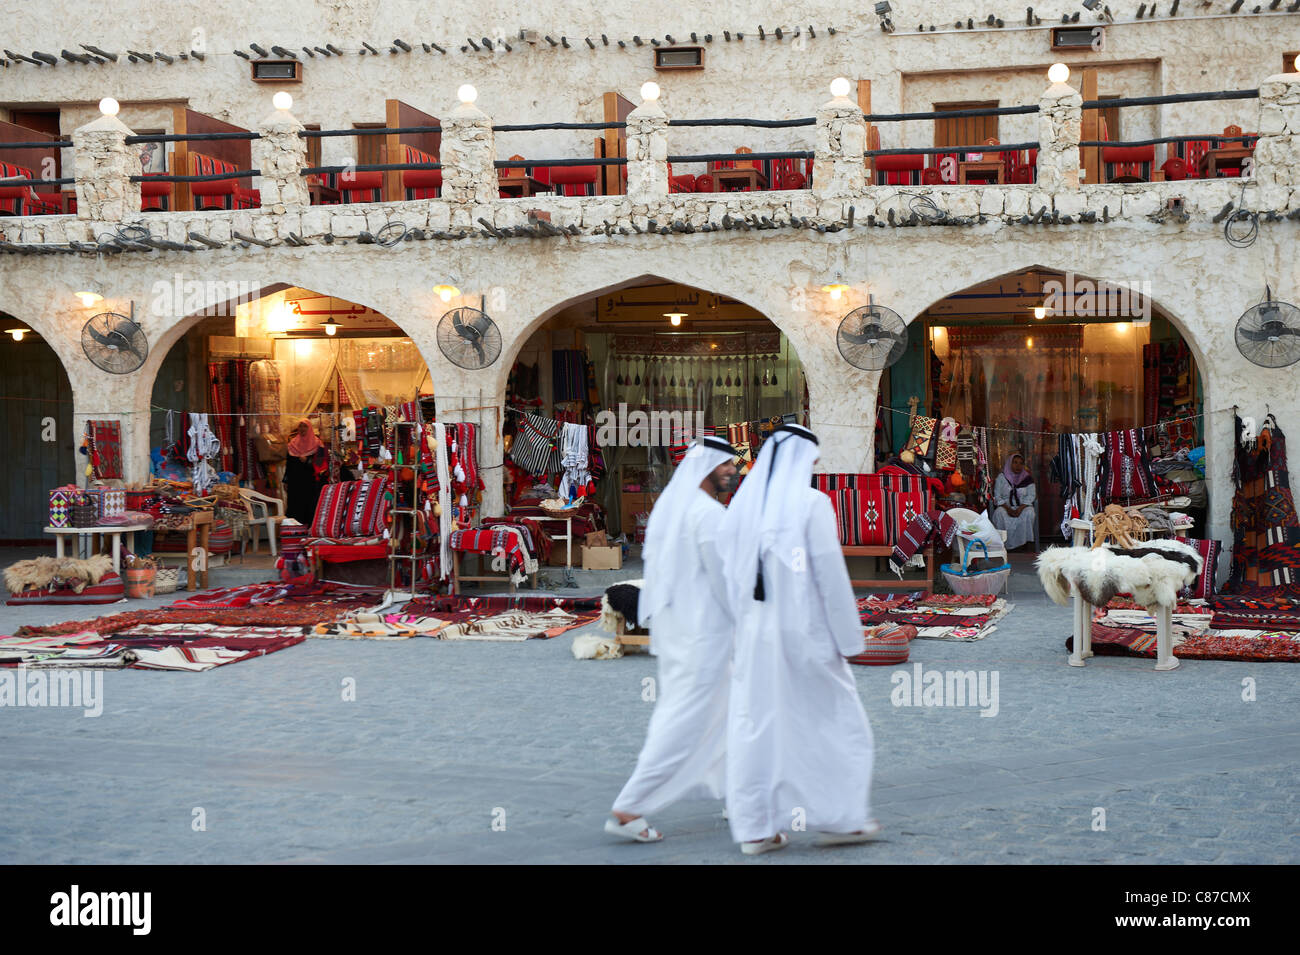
[[799, 747], [682, 599]]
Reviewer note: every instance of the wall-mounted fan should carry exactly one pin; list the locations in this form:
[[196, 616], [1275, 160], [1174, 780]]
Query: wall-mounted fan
[[1268, 334], [469, 338], [115, 343], [872, 337]]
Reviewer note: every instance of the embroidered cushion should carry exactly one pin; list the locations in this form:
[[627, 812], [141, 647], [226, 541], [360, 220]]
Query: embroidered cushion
[[367, 508], [331, 510], [847, 517], [889, 646]]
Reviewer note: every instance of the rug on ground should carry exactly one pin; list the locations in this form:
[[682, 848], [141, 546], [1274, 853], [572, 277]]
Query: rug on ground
[[937, 616]]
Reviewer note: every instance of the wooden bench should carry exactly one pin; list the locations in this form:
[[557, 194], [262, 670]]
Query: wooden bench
[[891, 581]]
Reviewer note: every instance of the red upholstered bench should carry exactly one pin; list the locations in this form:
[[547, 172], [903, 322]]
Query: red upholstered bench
[[349, 525], [220, 193], [21, 199], [420, 183], [872, 511]]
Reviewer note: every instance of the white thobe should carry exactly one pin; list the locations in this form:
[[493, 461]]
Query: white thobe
[[799, 747], [1020, 529], [684, 756]]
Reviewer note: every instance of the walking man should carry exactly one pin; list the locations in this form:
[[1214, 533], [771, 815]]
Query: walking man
[[682, 599], [799, 747]]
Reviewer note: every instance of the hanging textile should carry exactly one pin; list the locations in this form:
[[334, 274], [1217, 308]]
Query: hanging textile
[[1265, 527], [105, 448], [442, 469], [568, 375], [1125, 473], [536, 446], [204, 445], [574, 458], [264, 396]]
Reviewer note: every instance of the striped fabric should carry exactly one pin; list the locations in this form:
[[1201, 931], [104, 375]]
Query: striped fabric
[[877, 508], [1203, 587], [367, 507], [536, 448], [420, 183], [22, 199], [332, 510]]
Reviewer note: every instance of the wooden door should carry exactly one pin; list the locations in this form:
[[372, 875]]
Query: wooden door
[[36, 404], [964, 130]]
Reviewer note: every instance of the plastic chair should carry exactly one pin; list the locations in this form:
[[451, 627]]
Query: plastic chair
[[960, 545], [260, 515]]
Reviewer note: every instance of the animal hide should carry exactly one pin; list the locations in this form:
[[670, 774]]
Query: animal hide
[[619, 602], [589, 646], [1153, 572], [66, 572]]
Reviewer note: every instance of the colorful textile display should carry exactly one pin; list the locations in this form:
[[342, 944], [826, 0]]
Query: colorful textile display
[[500, 541], [1125, 472], [1265, 527], [923, 528], [923, 440], [498, 603], [1203, 588], [936, 616], [105, 449]]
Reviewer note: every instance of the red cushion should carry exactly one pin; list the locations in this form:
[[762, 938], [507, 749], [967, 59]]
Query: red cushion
[[367, 507], [905, 162], [109, 590], [573, 175], [332, 510], [887, 648], [346, 553], [1118, 154]]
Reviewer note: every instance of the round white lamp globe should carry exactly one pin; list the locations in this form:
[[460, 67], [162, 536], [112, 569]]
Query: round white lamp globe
[[282, 100], [649, 92], [1058, 73], [467, 94], [108, 106], [839, 86]]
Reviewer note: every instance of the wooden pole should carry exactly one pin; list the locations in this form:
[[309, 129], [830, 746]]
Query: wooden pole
[[1090, 130]]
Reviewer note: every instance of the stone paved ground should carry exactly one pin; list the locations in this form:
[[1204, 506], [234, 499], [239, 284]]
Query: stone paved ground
[[442, 735]]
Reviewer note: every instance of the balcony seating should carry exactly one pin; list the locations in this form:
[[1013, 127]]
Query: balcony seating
[[155, 196], [220, 193], [1176, 169], [1025, 170], [570, 180], [22, 199], [1125, 163], [420, 183]]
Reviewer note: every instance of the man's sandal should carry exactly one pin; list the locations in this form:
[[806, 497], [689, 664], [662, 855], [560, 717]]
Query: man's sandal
[[778, 841], [632, 830]]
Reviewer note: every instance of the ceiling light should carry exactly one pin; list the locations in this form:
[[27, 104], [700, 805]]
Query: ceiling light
[[89, 295], [446, 291], [1040, 312], [17, 333], [330, 326], [674, 318], [836, 288]]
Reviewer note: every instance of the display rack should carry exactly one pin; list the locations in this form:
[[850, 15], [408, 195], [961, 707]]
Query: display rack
[[406, 442]]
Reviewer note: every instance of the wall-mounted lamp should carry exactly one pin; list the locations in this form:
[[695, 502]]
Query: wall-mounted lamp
[[109, 106], [467, 94], [446, 291], [674, 318], [649, 92], [90, 294], [839, 87], [330, 326], [1058, 73], [836, 288], [282, 100]]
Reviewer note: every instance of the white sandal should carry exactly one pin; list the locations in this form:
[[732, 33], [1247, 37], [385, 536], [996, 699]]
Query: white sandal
[[868, 834], [632, 829], [778, 841]]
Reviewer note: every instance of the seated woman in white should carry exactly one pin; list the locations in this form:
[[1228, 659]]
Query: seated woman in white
[[1014, 495]]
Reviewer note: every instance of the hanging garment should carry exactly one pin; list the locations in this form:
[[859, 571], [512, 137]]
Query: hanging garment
[[569, 375], [444, 498], [536, 446], [1265, 527], [1125, 473], [203, 446], [574, 458]]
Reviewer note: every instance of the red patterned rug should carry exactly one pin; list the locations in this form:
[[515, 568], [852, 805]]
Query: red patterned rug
[[1130, 642]]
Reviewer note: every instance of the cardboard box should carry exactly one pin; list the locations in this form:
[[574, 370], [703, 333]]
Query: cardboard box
[[602, 558], [557, 554], [596, 539]]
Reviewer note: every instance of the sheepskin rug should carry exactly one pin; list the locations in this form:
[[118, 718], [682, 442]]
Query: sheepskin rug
[[590, 646], [618, 603], [1153, 572], [63, 572]]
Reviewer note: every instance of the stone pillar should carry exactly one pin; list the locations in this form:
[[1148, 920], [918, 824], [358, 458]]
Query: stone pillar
[[103, 166], [1060, 123], [838, 160], [647, 152], [468, 154], [280, 154], [1277, 153]]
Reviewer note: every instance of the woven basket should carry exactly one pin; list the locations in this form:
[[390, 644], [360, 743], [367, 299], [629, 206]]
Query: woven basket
[[965, 581], [83, 515], [167, 580]]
